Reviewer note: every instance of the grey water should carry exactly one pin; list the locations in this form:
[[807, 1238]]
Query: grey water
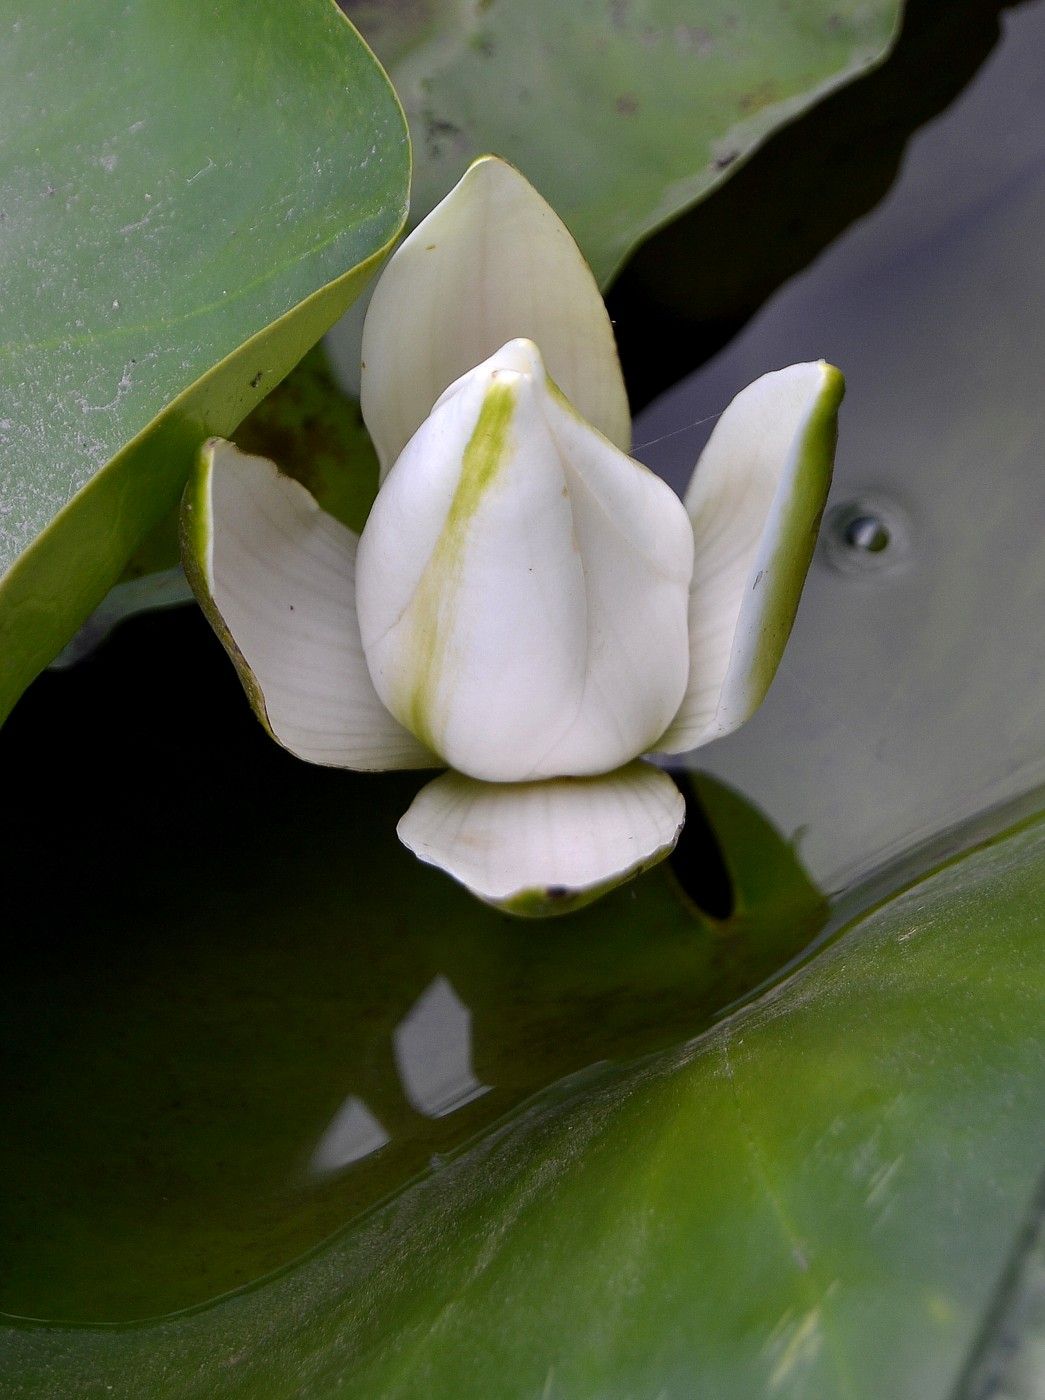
[[911, 695]]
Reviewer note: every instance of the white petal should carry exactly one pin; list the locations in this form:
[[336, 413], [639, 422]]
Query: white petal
[[493, 262], [276, 576], [755, 501], [545, 848], [522, 585]]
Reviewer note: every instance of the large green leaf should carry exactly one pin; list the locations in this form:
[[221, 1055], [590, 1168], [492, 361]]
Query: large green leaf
[[621, 112], [819, 1196], [316, 435], [189, 196]]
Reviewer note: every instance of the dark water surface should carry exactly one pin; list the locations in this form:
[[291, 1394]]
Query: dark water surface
[[236, 1014]]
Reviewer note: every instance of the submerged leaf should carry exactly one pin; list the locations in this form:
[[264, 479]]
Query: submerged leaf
[[621, 112]]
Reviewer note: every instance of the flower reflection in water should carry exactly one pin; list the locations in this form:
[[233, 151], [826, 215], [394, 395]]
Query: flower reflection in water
[[432, 1047]]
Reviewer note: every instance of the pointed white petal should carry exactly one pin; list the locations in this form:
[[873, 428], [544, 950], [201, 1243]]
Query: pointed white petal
[[491, 263], [276, 576], [522, 585], [755, 501], [545, 848]]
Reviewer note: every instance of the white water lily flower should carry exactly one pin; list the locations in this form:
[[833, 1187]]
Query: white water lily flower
[[527, 605]]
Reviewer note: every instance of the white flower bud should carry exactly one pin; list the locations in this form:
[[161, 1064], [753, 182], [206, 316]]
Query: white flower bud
[[522, 585], [526, 604]]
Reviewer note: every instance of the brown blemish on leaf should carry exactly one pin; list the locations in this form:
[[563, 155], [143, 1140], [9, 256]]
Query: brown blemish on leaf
[[763, 96], [627, 105], [619, 13], [442, 137], [694, 38]]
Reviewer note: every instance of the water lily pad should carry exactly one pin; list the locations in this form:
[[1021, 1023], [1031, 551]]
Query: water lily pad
[[862, 1143], [658, 99], [662, 101], [189, 197]]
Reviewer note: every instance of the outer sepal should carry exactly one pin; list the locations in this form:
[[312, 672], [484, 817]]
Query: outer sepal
[[535, 849], [275, 575], [755, 502]]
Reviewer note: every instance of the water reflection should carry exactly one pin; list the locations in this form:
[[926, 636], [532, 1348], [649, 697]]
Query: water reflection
[[307, 1019], [432, 1048], [352, 1134], [433, 1052]]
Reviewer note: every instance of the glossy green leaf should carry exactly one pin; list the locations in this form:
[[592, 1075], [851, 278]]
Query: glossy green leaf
[[658, 99], [821, 1195], [189, 197]]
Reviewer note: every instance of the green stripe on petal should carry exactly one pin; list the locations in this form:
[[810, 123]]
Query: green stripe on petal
[[537, 849], [492, 263], [755, 502], [433, 610], [275, 575]]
